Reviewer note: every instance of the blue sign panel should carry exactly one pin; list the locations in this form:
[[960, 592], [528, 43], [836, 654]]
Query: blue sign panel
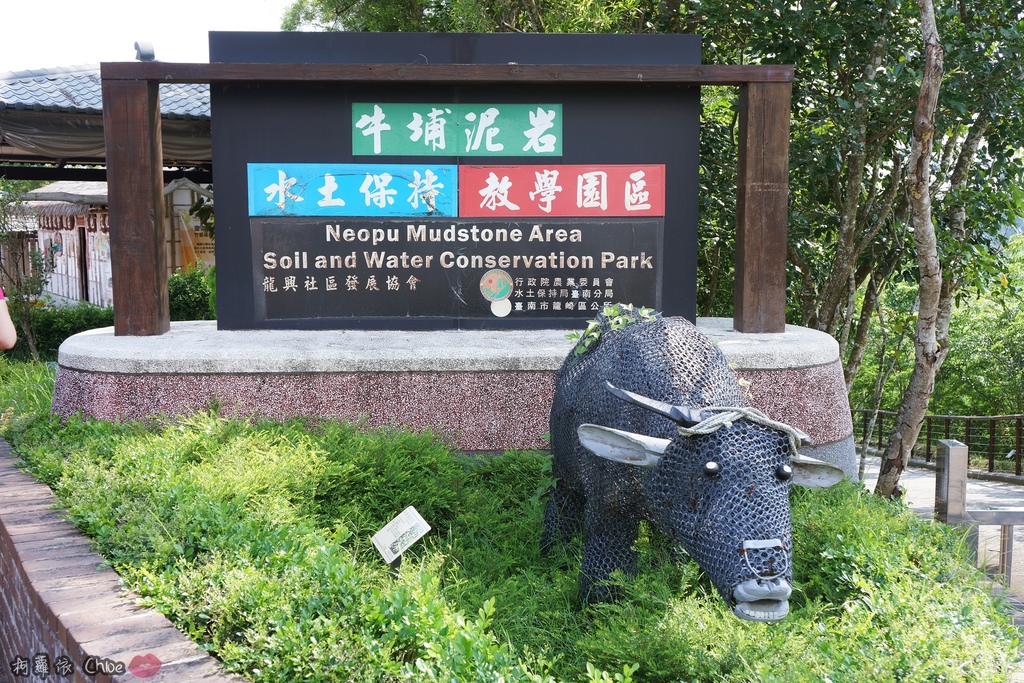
[[379, 190]]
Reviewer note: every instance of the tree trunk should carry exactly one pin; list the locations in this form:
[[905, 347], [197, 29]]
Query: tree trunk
[[709, 303], [886, 365], [835, 287], [28, 334], [534, 12], [847, 321], [860, 337], [933, 313]]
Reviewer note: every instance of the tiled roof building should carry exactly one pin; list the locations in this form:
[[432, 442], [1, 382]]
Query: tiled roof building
[[56, 116]]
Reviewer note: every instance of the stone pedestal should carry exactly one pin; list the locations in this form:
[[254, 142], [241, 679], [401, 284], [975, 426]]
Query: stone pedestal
[[481, 390], [795, 377]]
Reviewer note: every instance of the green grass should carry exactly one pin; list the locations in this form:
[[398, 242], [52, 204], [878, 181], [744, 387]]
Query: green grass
[[254, 539]]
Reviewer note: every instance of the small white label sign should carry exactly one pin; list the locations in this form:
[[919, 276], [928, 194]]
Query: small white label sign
[[399, 534]]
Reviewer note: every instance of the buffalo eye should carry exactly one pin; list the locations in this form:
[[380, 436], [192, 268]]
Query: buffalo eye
[[784, 472], [712, 469]]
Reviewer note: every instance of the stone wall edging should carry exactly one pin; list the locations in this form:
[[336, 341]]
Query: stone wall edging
[[59, 599]]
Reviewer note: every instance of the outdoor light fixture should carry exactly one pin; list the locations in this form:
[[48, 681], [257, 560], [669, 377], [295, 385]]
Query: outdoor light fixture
[[144, 52]]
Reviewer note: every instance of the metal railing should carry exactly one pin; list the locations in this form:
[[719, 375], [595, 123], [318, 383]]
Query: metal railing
[[993, 442], [951, 505]]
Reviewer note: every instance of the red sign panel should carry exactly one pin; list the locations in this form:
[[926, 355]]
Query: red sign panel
[[538, 191]]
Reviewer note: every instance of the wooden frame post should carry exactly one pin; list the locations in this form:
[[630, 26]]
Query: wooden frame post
[[131, 125], [762, 211]]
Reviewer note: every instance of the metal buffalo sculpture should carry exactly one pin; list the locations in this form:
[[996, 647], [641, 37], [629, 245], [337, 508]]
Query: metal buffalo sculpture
[[622, 435]]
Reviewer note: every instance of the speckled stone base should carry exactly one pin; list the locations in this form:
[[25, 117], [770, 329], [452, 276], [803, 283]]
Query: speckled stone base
[[481, 391], [792, 395], [813, 399], [474, 411]]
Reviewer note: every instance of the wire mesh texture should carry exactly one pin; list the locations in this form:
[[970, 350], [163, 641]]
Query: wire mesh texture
[[723, 496]]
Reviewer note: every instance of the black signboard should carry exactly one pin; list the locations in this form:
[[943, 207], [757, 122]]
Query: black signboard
[[555, 269], [408, 206]]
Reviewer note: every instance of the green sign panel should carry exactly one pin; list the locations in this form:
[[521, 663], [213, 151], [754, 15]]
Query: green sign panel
[[484, 130]]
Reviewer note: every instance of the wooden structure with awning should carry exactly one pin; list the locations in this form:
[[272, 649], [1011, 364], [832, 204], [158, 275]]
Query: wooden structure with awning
[[51, 126], [71, 222]]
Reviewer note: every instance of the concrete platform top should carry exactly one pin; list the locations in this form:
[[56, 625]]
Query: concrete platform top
[[797, 347], [198, 347]]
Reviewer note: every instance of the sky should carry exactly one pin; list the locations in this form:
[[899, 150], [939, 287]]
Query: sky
[[40, 34]]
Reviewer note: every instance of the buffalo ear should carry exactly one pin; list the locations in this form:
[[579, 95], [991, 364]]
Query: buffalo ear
[[815, 474], [625, 447]]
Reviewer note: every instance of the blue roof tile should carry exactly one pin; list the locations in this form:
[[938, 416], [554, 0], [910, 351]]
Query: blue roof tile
[[77, 89]]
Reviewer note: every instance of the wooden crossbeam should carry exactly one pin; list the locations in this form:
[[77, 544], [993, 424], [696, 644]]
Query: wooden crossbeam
[[134, 162]]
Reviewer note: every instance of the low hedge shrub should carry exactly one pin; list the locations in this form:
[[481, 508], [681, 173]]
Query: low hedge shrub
[[54, 324], [190, 297], [254, 538], [189, 294]]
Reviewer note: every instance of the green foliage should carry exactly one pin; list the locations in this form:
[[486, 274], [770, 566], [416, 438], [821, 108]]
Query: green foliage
[[611, 318], [190, 296], [897, 318], [24, 270], [253, 538], [983, 374], [359, 15], [859, 69], [369, 476], [984, 371], [54, 324], [26, 390], [716, 265], [211, 284], [869, 575], [595, 675], [462, 16], [202, 210]]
